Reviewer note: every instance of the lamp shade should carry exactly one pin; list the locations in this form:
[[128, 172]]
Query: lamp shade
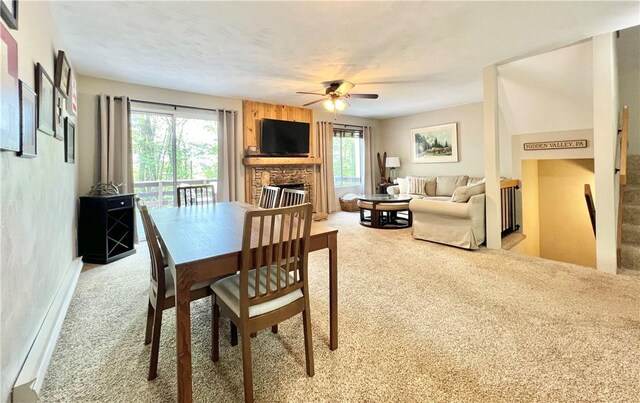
[[393, 162]]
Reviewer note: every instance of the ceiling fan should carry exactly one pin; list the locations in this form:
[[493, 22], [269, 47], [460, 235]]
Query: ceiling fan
[[336, 94]]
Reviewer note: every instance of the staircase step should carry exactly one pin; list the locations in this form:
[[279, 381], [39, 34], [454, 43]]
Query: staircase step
[[631, 214], [631, 233], [630, 256], [631, 195], [633, 163]]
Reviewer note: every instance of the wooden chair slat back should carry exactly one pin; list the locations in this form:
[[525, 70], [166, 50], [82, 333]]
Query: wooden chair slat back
[[292, 197], [196, 194], [277, 239], [157, 261], [269, 197]]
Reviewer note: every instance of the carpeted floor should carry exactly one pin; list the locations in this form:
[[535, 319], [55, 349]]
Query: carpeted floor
[[418, 322]]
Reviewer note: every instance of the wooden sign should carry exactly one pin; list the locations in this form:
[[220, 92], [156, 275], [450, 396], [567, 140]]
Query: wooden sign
[[555, 145]]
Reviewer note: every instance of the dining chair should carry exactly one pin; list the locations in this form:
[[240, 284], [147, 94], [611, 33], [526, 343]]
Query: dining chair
[[189, 195], [269, 197], [162, 289], [272, 283], [292, 197]]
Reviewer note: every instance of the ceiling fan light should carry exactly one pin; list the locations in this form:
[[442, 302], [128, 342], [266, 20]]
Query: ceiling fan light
[[328, 105], [340, 105]]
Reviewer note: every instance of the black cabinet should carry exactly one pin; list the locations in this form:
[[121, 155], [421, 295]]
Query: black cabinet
[[106, 228]]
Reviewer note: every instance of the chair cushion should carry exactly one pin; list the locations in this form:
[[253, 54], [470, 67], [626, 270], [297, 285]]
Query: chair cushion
[[462, 194], [170, 287], [228, 290]]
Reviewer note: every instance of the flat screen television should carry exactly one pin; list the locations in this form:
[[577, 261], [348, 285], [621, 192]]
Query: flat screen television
[[281, 137]]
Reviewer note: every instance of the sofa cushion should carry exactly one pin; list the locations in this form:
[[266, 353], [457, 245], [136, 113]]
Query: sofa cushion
[[416, 185], [475, 180], [447, 184], [462, 194]]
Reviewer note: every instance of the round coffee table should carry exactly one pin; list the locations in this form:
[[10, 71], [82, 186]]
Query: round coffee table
[[385, 211]]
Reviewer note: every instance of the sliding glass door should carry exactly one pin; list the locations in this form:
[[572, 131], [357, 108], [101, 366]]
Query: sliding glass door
[[170, 149]]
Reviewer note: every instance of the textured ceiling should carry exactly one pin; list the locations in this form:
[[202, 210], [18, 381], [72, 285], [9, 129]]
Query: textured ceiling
[[418, 56]]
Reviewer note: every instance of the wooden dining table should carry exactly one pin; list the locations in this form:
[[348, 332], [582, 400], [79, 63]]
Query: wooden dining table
[[204, 242]]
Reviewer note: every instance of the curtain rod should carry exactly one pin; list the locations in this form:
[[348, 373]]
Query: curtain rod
[[343, 125], [173, 105]]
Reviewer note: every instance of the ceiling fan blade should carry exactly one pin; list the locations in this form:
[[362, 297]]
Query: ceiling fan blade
[[314, 102], [309, 93], [366, 96], [344, 87]]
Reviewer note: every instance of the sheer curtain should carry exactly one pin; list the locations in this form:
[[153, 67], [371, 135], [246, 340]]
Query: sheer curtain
[[116, 159], [369, 168], [227, 171], [326, 191]]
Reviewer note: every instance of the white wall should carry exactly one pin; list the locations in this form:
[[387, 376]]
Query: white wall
[[396, 140], [548, 95], [324, 116], [37, 211], [88, 119], [629, 77]]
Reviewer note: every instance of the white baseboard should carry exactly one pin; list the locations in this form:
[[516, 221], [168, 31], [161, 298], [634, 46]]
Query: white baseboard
[[31, 377]]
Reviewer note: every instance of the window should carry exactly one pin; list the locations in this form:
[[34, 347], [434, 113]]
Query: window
[[348, 157], [172, 147]]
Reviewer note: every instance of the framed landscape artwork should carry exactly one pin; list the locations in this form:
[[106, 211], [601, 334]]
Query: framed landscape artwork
[[69, 141], [28, 133], [435, 144], [9, 84], [46, 95]]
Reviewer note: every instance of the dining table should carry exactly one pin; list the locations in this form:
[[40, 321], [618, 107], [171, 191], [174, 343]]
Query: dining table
[[205, 242]]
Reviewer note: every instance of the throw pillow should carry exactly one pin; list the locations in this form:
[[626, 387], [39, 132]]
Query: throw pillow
[[416, 185], [402, 186], [431, 187], [448, 184], [462, 194]]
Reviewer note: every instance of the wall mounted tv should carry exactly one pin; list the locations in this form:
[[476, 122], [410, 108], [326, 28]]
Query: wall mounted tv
[[281, 137]]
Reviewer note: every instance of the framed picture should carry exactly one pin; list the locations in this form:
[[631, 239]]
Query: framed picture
[[72, 101], [28, 133], [9, 98], [63, 71], [435, 144], [59, 114], [9, 11], [46, 99], [69, 141]]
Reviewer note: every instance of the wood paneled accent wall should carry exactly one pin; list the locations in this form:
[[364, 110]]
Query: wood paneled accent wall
[[254, 111]]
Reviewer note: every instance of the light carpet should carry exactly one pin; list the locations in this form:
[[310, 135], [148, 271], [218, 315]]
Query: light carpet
[[418, 321]]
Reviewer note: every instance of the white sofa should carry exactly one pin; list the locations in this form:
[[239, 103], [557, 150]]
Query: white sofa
[[446, 209]]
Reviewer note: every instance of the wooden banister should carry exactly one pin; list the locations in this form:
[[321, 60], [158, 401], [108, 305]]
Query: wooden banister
[[588, 197]]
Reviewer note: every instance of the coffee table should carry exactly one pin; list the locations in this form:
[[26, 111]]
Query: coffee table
[[385, 211]]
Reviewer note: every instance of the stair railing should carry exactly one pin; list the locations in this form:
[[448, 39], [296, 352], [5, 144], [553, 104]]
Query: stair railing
[[508, 189], [624, 146], [588, 197]]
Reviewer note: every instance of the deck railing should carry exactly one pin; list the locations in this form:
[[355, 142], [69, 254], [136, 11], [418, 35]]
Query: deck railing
[[162, 193]]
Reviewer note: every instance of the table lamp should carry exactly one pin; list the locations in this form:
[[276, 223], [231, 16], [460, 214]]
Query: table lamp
[[392, 163]]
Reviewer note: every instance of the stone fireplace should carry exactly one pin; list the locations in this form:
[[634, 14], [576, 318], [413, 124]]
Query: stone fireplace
[[284, 176]]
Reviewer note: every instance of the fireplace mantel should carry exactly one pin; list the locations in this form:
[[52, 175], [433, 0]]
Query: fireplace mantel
[[276, 161]]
